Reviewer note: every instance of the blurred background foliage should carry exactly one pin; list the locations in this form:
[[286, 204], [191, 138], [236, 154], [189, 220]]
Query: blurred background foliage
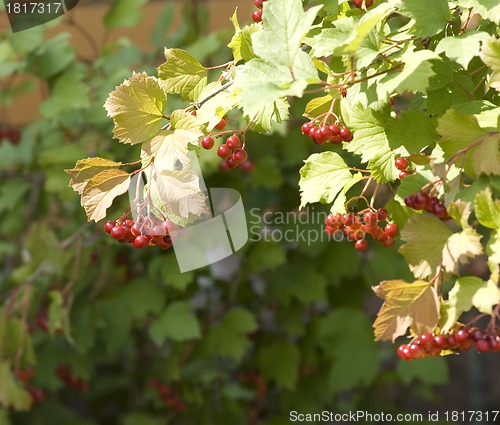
[[120, 336]]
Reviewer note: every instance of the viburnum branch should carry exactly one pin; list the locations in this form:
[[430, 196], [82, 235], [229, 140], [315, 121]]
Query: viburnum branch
[[197, 105]]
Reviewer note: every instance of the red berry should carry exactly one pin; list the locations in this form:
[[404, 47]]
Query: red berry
[[420, 201], [306, 127], [403, 174], [231, 162], [346, 134], [312, 133], [347, 219], [135, 229], [404, 352], [477, 334], [118, 232], [361, 245], [409, 200], [141, 241], [335, 129], [439, 210], [207, 142], [401, 164], [257, 16], [247, 166], [391, 230], [462, 335], [382, 214], [358, 3], [108, 226], [240, 155], [221, 125], [370, 217], [368, 3], [417, 352], [426, 340], [330, 220], [482, 345], [430, 204], [388, 242], [233, 142], [324, 134], [258, 3], [223, 151], [336, 139], [440, 341]]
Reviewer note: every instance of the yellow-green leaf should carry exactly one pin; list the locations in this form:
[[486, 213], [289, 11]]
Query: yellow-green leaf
[[136, 107], [406, 305], [85, 169], [101, 190]]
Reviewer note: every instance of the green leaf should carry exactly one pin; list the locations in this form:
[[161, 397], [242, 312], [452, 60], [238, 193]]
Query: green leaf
[[462, 48], [262, 83], [67, 92], [177, 323], [487, 210], [279, 362], [165, 270], [124, 13], [229, 337], [468, 292], [415, 75], [85, 169], [136, 107], [322, 178], [55, 55], [57, 313], [318, 106], [430, 16], [276, 112], [12, 191], [490, 55], [143, 297], [425, 237], [101, 190], [182, 74], [296, 282], [241, 43], [430, 371], [406, 305], [412, 129], [349, 36], [265, 256], [370, 140], [458, 131], [11, 392], [285, 25]]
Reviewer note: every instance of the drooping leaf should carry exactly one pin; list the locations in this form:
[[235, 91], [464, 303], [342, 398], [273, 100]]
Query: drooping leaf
[[322, 178], [85, 169], [180, 193], [406, 305], [425, 237], [177, 323], [100, 191], [136, 107], [182, 74]]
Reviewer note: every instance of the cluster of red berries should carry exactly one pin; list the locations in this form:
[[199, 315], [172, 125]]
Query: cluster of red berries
[[231, 151], [461, 339], [168, 395], [355, 227], [142, 233], [72, 381], [402, 165], [25, 376], [359, 3], [13, 135], [326, 133], [257, 15], [257, 381], [422, 201]]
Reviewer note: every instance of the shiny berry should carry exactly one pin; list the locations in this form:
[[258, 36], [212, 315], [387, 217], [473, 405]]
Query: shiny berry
[[391, 230], [221, 125], [346, 134], [257, 16], [233, 142], [118, 232], [401, 164], [108, 226], [382, 214], [207, 142], [240, 155], [223, 151], [361, 245], [141, 241]]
